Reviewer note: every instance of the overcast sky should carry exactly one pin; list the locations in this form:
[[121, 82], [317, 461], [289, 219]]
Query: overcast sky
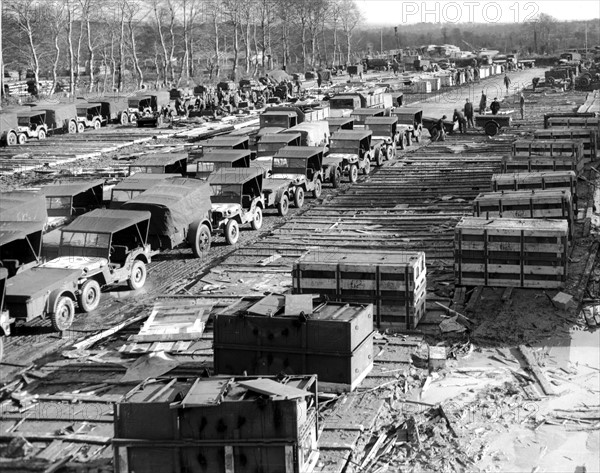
[[396, 12]]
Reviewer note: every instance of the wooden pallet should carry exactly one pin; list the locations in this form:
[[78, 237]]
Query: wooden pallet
[[511, 252]]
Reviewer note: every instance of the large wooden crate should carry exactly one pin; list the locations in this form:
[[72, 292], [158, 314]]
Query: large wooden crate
[[552, 204], [218, 425], [512, 164], [506, 252], [588, 136], [535, 181], [394, 282], [333, 341], [548, 148], [572, 119]]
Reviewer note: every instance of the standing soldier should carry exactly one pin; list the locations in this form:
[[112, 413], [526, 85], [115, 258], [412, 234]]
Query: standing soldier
[[469, 114], [495, 106], [522, 104], [460, 118], [506, 82], [482, 103]]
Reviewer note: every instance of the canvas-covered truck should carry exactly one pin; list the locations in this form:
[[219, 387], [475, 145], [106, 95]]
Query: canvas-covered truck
[[60, 117], [312, 134], [410, 122], [148, 109], [132, 186], [237, 199], [240, 142], [219, 159], [269, 145], [89, 115], [340, 123], [9, 128], [98, 249], [181, 214], [349, 152], [23, 218], [32, 124], [342, 105], [5, 320], [113, 109], [296, 170], [160, 163]]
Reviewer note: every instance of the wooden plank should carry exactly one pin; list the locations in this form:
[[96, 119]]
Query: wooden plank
[[473, 301], [533, 366], [273, 388]]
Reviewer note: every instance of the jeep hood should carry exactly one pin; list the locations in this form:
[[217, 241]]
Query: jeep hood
[[84, 263]]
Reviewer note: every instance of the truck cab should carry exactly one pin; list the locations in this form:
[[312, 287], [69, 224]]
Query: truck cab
[[89, 115], [360, 115], [340, 123], [220, 159], [410, 122], [31, 124], [269, 145], [386, 137], [160, 163], [349, 152], [237, 199]]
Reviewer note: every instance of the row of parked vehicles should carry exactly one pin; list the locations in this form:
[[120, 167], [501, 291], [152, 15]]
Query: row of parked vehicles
[[36, 121], [176, 200]]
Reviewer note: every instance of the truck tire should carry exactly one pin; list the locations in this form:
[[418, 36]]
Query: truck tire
[[11, 139], [72, 127], [402, 141], [408, 138], [258, 219], [22, 139], [391, 152], [232, 232], [64, 313], [378, 159], [133, 119], [199, 239], [97, 124], [318, 189], [90, 295], [124, 119], [80, 127], [367, 168], [299, 197], [336, 177], [283, 207], [353, 173], [491, 128], [137, 277], [42, 135]]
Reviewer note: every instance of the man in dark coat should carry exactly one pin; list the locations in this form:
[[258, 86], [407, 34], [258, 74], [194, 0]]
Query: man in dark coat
[[495, 106], [469, 114], [438, 133], [460, 118], [482, 103]]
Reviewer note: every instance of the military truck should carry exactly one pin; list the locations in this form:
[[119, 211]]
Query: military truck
[[349, 152], [89, 115], [114, 109], [98, 249], [386, 136], [181, 214], [31, 124], [149, 109], [160, 163], [60, 117], [133, 186], [410, 122], [237, 199], [220, 159], [9, 128], [343, 104]]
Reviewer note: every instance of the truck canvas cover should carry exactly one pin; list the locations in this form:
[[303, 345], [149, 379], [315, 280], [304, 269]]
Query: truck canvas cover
[[13, 231], [71, 188], [19, 206], [58, 114], [106, 221], [159, 159], [142, 181], [8, 121], [37, 282], [174, 205]]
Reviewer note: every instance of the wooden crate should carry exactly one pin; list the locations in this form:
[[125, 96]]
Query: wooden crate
[[588, 136], [332, 340], [553, 204], [535, 181], [506, 252], [522, 164], [218, 425], [569, 119], [394, 282], [548, 148]]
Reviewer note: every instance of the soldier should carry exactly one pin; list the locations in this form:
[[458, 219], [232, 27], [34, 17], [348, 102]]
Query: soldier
[[482, 103], [495, 106], [469, 114], [522, 105], [460, 118], [506, 82], [438, 133]]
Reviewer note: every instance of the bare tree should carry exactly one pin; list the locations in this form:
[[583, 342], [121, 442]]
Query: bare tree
[[55, 18], [158, 13], [350, 17], [315, 12], [132, 12], [233, 10]]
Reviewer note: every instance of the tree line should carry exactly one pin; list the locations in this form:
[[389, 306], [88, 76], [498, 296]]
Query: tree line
[[117, 44]]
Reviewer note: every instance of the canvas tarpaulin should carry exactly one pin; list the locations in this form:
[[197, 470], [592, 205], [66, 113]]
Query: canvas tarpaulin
[[58, 115], [173, 205], [18, 206], [8, 121], [106, 221]]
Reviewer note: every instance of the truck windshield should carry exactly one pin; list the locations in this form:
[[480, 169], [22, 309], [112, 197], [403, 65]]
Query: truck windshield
[[124, 195], [344, 145], [23, 121], [147, 169], [58, 202], [288, 163], [206, 167], [85, 240], [225, 190]]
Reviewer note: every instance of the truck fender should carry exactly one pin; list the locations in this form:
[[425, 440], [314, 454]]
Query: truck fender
[[54, 295], [142, 257]]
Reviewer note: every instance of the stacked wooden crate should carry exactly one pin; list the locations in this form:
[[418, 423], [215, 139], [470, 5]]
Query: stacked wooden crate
[[394, 282], [507, 252], [287, 334], [588, 136], [545, 155], [555, 204], [218, 425], [537, 181], [571, 119]]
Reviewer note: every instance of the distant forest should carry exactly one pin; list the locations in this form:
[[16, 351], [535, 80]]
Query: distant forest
[[103, 45]]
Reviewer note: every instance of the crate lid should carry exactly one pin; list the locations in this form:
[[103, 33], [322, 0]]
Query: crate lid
[[515, 224], [532, 176], [363, 256], [525, 195]]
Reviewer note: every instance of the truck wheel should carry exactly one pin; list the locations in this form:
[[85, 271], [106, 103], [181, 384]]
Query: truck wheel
[[80, 127], [299, 197], [418, 136], [11, 139], [336, 177], [491, 128], [367, 168], [318, 189], [403, 143], [133, 118], [63, 315], [353, 173], [378, 158], [22, 139], [199, 239], [258, 217], [391, 152], [124, 119], [283, 206], [137, 277], [97, 124], [90, 295], [232, 232], [72, 127], [42, 135]]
